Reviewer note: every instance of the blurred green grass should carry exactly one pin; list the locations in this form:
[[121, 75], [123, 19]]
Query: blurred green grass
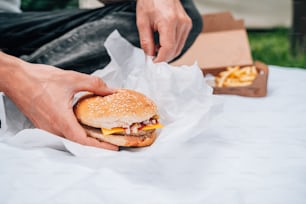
[[273, 47]]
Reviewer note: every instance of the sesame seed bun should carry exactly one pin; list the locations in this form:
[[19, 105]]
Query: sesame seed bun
[[120, 109]]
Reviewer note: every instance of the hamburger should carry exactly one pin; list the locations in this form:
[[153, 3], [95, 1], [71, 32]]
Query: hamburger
[[126, 118]]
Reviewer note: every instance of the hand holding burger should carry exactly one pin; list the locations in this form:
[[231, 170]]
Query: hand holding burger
[[126, 118], [44, 94]]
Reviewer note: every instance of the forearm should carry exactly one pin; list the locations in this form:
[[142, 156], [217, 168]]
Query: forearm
[[10, 68]]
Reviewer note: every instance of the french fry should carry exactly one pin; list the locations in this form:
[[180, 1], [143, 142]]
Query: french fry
[[236, 77]]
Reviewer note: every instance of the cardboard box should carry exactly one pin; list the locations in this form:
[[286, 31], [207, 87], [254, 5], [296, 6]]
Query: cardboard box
[[223, 43]]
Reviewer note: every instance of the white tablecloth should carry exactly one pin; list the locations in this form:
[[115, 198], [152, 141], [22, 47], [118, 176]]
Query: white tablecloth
[[252, 152]]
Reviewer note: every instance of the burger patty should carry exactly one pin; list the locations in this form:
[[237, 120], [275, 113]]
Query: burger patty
[[140, 133]]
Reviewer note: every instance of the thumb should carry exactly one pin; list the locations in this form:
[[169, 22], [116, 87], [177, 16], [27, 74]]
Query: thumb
[[73, 131]]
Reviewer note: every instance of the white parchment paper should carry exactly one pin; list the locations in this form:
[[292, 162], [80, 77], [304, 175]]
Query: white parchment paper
[[184, 100], [3, 126]]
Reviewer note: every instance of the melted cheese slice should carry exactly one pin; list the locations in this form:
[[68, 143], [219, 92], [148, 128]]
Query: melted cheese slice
[[151, 127], [106, 131]]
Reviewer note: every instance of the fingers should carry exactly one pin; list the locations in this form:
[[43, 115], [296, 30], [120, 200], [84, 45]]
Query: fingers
[[74, 132], [146, 36], [171, 22], [167, 40], [70, 127], [183, 32], [172, 39], [96, 85], [49, 106]]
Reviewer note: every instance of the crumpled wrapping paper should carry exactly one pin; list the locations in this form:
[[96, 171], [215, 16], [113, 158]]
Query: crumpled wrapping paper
[[184, 100]]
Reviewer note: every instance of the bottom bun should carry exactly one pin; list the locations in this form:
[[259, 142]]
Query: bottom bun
[[122, 140]]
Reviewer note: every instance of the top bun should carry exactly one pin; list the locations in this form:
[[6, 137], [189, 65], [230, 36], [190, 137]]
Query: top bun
[[120, 109]]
